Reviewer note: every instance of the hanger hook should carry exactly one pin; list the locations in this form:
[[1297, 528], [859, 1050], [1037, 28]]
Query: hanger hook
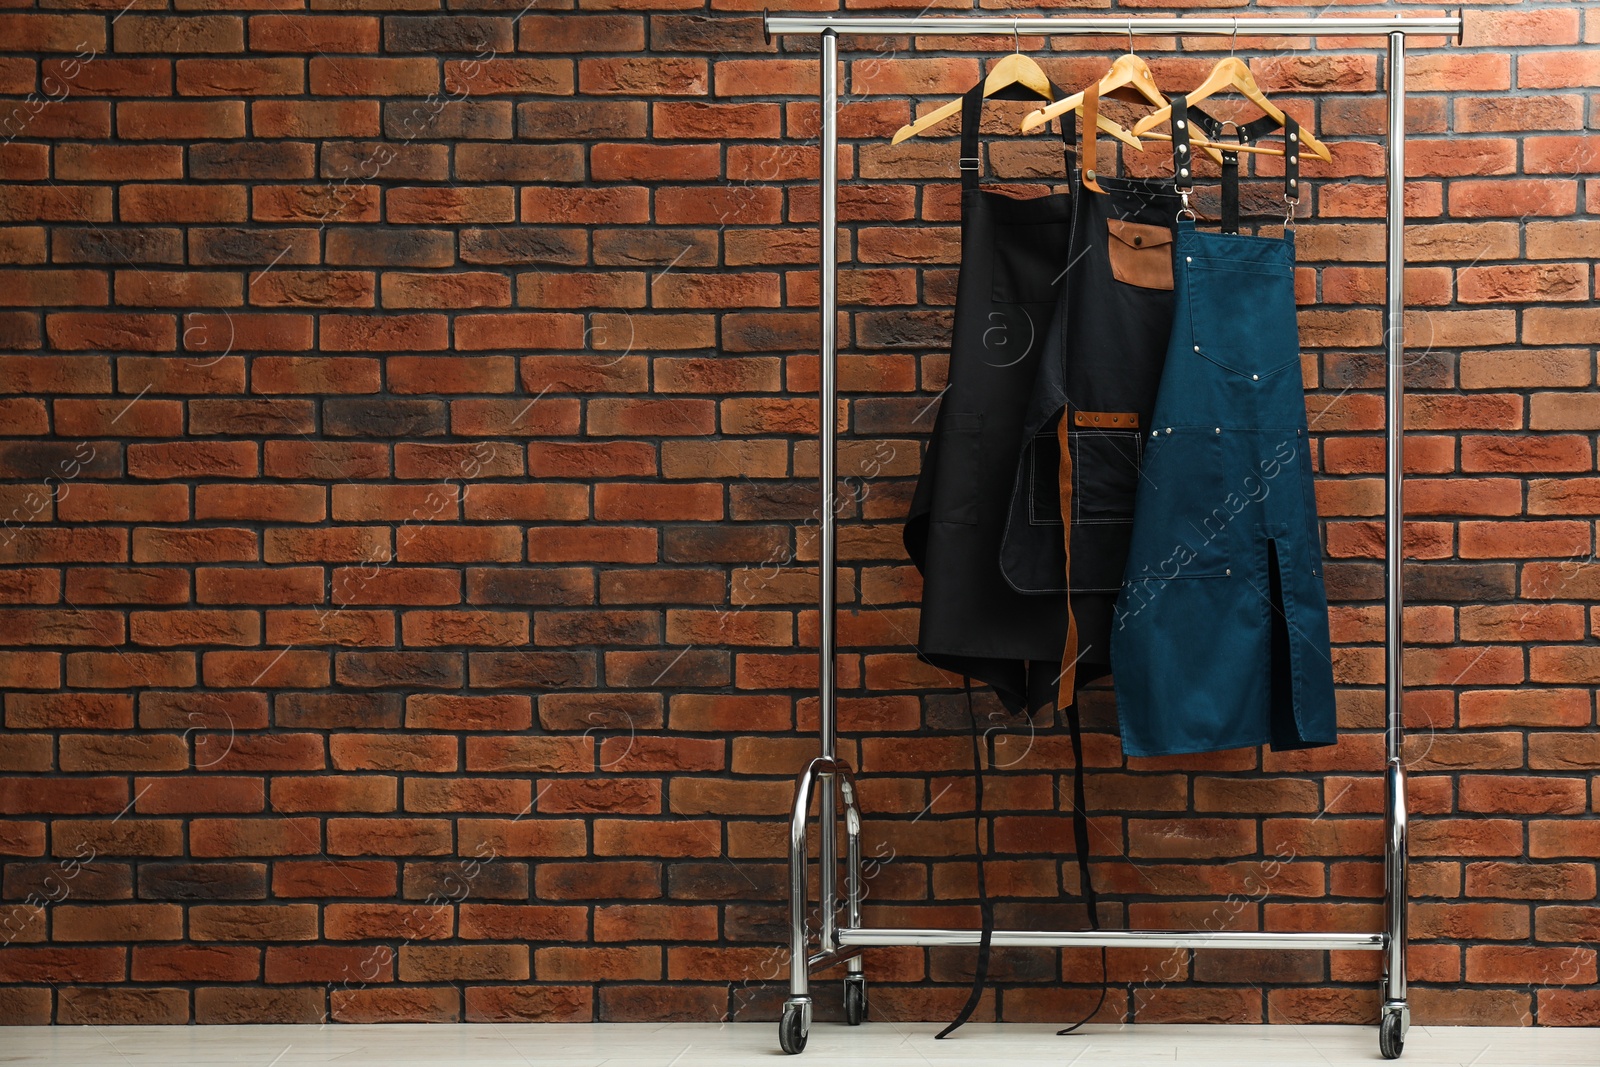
[[1016, 38], [1233, 41], [1130, 36]]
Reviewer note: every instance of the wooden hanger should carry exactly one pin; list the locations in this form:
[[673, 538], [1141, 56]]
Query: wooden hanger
[[1128, 70], [1015, 69], [1232, 73]]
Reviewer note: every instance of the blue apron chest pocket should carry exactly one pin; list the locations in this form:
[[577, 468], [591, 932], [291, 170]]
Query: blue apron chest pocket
[[1244, 319], [955, 491]]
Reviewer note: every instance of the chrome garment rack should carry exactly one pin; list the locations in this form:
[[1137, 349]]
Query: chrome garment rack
[[844, 944]]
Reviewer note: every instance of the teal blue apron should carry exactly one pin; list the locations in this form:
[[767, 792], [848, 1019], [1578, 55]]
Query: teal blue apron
[[1220, 635]]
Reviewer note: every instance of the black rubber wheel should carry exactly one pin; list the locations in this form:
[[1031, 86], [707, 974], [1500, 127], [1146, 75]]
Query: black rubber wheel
[[855, 1001], [1391, 1042], [792, 1030]]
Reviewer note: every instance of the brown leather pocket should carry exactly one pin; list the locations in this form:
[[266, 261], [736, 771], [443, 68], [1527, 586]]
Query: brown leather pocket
[[1141, 254]]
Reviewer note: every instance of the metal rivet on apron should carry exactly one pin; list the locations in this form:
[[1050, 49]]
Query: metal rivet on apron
[[1180, 124], [1183, 148], [1089, 174], [1189, 259], [1184, 172], [1255, 377], [1228, 572], [1219, 429], [1294, 159], [1169, 429], [1292, 136], [1137, 241], [1197, 348]]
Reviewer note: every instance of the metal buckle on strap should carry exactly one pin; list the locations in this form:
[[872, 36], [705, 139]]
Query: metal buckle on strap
[[964, 160], [1186, 211]]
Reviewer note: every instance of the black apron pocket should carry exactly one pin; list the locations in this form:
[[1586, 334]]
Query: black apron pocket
[[1105, 480], [1105, 474], [1044, 480], [955, 492]]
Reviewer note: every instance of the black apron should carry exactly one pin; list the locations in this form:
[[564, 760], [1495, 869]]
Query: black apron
[[975, 620], [1013, 254], [1094, 399]]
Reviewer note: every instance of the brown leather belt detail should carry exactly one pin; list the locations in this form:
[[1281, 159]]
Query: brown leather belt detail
[[1088, 133], [1104, 420], [1069, 657]]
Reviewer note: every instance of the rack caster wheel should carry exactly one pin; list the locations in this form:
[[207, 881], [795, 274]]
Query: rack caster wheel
[[1391, 1035], [794, 1026], [855, 1001]]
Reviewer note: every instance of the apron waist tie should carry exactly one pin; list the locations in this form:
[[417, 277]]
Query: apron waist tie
[[983, 847], [1080, 835], [1067, 695], [980, 849]]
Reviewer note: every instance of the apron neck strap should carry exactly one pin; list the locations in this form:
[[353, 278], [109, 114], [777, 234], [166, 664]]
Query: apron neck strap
[[1091, 130], [1249, 133], [1182, 165], [1291, 167], [1069, 138], [972, 115]]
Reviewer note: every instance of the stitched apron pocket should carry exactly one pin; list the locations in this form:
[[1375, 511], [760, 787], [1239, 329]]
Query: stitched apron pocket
[[955, 492], [1141, 254], [1105, 474], [1044, 480], [1244, 320], [1187, 527]]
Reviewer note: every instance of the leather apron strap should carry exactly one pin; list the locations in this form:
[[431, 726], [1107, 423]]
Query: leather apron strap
[[1067, 691], [1091, 131]]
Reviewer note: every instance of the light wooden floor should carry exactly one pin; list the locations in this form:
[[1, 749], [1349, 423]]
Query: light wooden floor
[[877, 1044]]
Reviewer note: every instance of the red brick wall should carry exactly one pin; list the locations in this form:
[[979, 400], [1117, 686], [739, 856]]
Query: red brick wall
[[406, 440]]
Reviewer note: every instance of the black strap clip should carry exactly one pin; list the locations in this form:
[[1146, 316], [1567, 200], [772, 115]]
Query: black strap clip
[[1291, 168], [1182, 161]]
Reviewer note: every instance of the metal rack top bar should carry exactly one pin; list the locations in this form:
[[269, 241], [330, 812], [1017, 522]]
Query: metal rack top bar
[[859, 937], [1266, 26]]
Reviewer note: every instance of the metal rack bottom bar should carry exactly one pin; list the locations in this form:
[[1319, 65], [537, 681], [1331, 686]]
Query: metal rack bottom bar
[[821, 960], [860, 936]]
